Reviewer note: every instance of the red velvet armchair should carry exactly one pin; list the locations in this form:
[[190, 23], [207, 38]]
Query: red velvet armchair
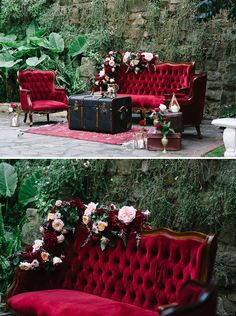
[[133, 280], [38, 93]]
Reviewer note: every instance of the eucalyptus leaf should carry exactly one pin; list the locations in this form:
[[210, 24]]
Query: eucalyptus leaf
[[8, 179]]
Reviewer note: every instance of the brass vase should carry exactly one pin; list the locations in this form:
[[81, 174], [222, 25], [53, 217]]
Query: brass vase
[[164, 142]]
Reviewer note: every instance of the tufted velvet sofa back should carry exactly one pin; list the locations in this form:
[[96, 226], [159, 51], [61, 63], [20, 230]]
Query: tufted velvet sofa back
[[39, 82], [148, 275], [164, 78]]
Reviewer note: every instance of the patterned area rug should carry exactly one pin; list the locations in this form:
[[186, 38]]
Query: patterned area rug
[[62, 130]]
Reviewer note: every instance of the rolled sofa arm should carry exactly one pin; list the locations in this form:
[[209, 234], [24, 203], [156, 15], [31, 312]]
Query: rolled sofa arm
[[25, 281], [195, 298], [25, 100]]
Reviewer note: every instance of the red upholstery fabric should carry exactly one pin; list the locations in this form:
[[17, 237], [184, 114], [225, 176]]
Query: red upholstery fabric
[[40, 86], [146, 276], [71, 303], [166, 78], [48, 105], [144, 100], [189, 293]]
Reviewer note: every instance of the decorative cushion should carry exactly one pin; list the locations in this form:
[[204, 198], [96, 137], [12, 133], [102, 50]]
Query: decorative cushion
[[67, 302], [48, 105]]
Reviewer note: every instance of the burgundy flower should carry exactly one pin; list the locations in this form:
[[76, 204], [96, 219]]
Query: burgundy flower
[[50, 240], [28, 248], [100, 211]]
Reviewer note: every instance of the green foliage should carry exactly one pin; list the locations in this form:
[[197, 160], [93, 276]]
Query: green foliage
[[209, 8], [8, 179], [28, 189]]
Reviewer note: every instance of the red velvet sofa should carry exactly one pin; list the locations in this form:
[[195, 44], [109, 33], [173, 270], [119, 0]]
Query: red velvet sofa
[[38, 93], [152, 87], [134, 281]]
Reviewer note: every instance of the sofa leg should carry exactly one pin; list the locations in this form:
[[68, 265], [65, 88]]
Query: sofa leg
[[31, 119], [25, 118], [48, 117], [198, 131]]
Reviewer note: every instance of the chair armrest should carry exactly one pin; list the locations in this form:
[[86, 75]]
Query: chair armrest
[[25, 100], [25, 281], [161, 308], [59, 94]]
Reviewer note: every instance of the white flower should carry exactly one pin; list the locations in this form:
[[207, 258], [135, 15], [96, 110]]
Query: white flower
[[113, 69], [148, 56], [107, 59], [127, 214], [37, 244], [90, 208], [35, 263], [57, 215], [56, 260], [60, 239], [96, 82], [25, 266], [111, 52], [146, 213], [86, 164], [10, 109], [102, 73], [51, 216], [132, 63], [86, 219], [112, 80], [41, 229], [58, 203], [136, 62], [58, 225], [136, 70], [95, 228], [162, 107], [64, 231], [111, 63], [126, 57]]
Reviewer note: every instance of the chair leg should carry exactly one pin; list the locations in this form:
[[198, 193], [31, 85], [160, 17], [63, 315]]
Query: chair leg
[[198, 131], [25, 118], [48, 117], [31, 119]]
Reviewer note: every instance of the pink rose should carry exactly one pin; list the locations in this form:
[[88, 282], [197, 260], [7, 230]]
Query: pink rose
[[37, 245], [58, 224], [111, 63], [148, 56], [127, 214], [90, 208]]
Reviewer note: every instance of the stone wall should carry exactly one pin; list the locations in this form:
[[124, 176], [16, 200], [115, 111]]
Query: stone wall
[[220, 63]]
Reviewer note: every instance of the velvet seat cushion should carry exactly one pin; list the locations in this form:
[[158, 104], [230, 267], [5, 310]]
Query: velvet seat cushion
[[69, 302], [48, 105], [145, 100]]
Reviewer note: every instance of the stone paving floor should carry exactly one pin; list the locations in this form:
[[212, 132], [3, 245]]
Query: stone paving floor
[[16, 144]]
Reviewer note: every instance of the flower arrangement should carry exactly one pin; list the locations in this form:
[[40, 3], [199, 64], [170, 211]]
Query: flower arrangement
[[48, 252], [104, 223], [108, 223], [109, 67], [134, 61], [138, 61], [14, 108], [160, 122]]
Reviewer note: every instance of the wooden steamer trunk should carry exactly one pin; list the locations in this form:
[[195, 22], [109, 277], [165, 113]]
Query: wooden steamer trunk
[[98, 114]]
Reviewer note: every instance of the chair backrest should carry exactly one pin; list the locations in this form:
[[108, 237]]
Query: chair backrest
[[39, 82], [158, 80], [204, 303], [148, 275]]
